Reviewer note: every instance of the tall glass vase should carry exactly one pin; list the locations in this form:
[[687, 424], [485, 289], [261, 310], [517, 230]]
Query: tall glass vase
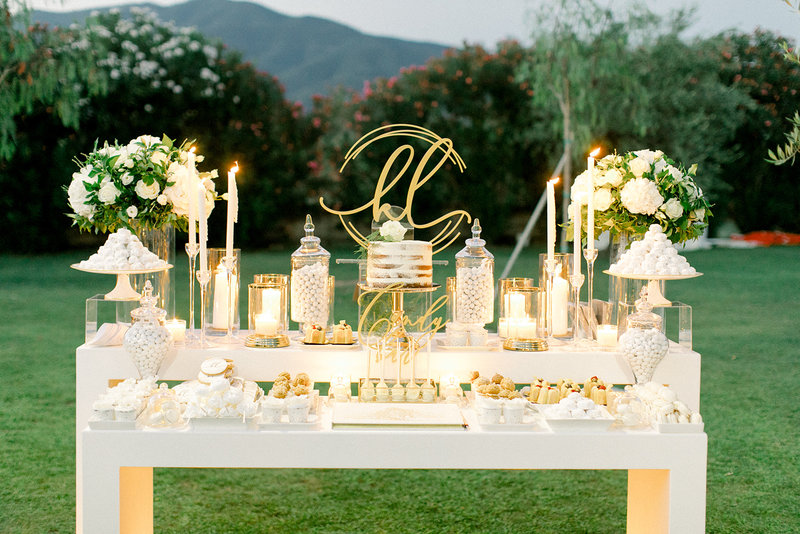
[[622, 292], [161, 242]]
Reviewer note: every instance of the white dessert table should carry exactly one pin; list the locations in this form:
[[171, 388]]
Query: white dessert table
[[666, 472]]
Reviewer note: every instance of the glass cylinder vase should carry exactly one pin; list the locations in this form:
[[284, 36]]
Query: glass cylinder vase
[[161, 242], [220, 296], [511, 303], [555, 309], [268, 317]]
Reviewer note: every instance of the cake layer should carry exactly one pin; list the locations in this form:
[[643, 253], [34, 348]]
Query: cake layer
[[405, 262]]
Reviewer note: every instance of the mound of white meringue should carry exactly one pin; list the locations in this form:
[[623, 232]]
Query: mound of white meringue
[[654, 255], [123, 251]]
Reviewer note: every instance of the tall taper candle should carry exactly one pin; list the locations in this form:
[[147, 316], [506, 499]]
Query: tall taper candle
[[233, 210], [191, 183], [576, 234], [551, 219], [590, 202], [201, 208]]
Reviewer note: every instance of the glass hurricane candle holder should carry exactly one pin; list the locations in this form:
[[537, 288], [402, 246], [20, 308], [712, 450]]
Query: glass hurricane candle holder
[[221, 298], [512, 304], [268, 311], [523, 324]]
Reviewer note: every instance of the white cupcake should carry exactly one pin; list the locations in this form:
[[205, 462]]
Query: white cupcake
[[271, 409], [513, 410], [103, 410], [298, 409]]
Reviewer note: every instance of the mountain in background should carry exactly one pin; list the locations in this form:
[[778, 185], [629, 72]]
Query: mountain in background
[[309, 55]]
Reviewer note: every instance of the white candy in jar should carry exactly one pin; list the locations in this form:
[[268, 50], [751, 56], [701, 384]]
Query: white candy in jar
[[147, 344], [475, 294], [643, 349], [310, 294]]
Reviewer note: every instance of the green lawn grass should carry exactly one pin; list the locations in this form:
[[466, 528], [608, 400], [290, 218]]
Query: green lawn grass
[[746, 326]]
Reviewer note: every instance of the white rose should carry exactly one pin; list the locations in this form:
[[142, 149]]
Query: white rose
[[77, 193], [147, 140], [675, 172], [602, 199], [147, 191], [392, 231], [158, 157], [699, 214], [127, 178], [639, 166], [660, 165], [640, 195], [108, 193], [161, 199], [672, 208], [611, 177], [178, 192], [132, 211]]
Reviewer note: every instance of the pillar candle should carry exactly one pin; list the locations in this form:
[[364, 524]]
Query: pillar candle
[[516, 305], [607, 335], [560, 300], [221, 299], [265, 324], [233, 210]]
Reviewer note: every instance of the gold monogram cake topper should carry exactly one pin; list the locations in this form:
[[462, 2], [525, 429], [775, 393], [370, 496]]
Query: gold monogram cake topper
[[450, 232]]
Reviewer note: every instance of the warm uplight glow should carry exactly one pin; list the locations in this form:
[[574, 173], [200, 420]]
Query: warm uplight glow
[[594, 153]]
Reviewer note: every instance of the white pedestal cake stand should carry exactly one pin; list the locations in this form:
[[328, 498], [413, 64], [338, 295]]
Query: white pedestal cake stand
[[654, 294], [123, 290]]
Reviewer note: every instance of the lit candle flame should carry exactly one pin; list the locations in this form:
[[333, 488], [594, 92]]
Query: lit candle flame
[[193, 149], [555, 180], [235, 167], [594, 153]]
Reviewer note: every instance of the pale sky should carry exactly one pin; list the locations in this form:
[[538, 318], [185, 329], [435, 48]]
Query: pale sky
[[450, 22]]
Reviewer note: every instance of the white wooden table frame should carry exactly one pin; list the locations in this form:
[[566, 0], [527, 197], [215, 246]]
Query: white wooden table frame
[[666, 472]]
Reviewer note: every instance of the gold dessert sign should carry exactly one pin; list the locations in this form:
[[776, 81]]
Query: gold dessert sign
[[439, 152], [441, 147]]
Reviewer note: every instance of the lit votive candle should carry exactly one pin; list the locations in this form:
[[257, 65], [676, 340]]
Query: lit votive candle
[[607, 335], [266, 325], [526, 329], [177, 327]]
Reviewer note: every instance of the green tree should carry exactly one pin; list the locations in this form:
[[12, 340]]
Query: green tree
[[37, 67]]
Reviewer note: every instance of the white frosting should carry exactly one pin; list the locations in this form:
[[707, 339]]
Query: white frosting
[[405, 262]]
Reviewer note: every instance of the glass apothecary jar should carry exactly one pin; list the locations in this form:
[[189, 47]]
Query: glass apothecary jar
[[310, 287], [474, 281], [643, 345], [147, 341]]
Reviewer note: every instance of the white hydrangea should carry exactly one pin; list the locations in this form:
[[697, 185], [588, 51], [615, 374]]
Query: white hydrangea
[[641, 195]]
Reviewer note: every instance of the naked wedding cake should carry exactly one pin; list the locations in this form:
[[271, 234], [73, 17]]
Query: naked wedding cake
[[408, 263]]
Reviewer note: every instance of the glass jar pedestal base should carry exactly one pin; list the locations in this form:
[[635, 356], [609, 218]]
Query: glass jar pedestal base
[[525, 345]]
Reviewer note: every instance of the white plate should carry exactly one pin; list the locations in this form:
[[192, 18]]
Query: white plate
[[580, 425], [489, 346], [530, 423], [77, 267], [104, 424], [222, 423], [680, 428], [654, 276], [313, 423]]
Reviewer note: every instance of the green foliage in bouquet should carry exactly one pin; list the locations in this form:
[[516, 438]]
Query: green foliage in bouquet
[[144, 184], [640, 188]]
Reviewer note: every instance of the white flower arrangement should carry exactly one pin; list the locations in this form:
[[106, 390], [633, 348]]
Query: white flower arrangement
[[144, 183], [637, 189]]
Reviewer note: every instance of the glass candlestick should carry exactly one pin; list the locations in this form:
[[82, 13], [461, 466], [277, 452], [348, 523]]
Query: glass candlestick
[[576, 282], [203, 278], [191, 251], [591, 256]]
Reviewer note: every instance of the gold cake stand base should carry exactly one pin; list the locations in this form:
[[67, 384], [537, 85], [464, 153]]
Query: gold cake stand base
[[525, 345], [260, 341]]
